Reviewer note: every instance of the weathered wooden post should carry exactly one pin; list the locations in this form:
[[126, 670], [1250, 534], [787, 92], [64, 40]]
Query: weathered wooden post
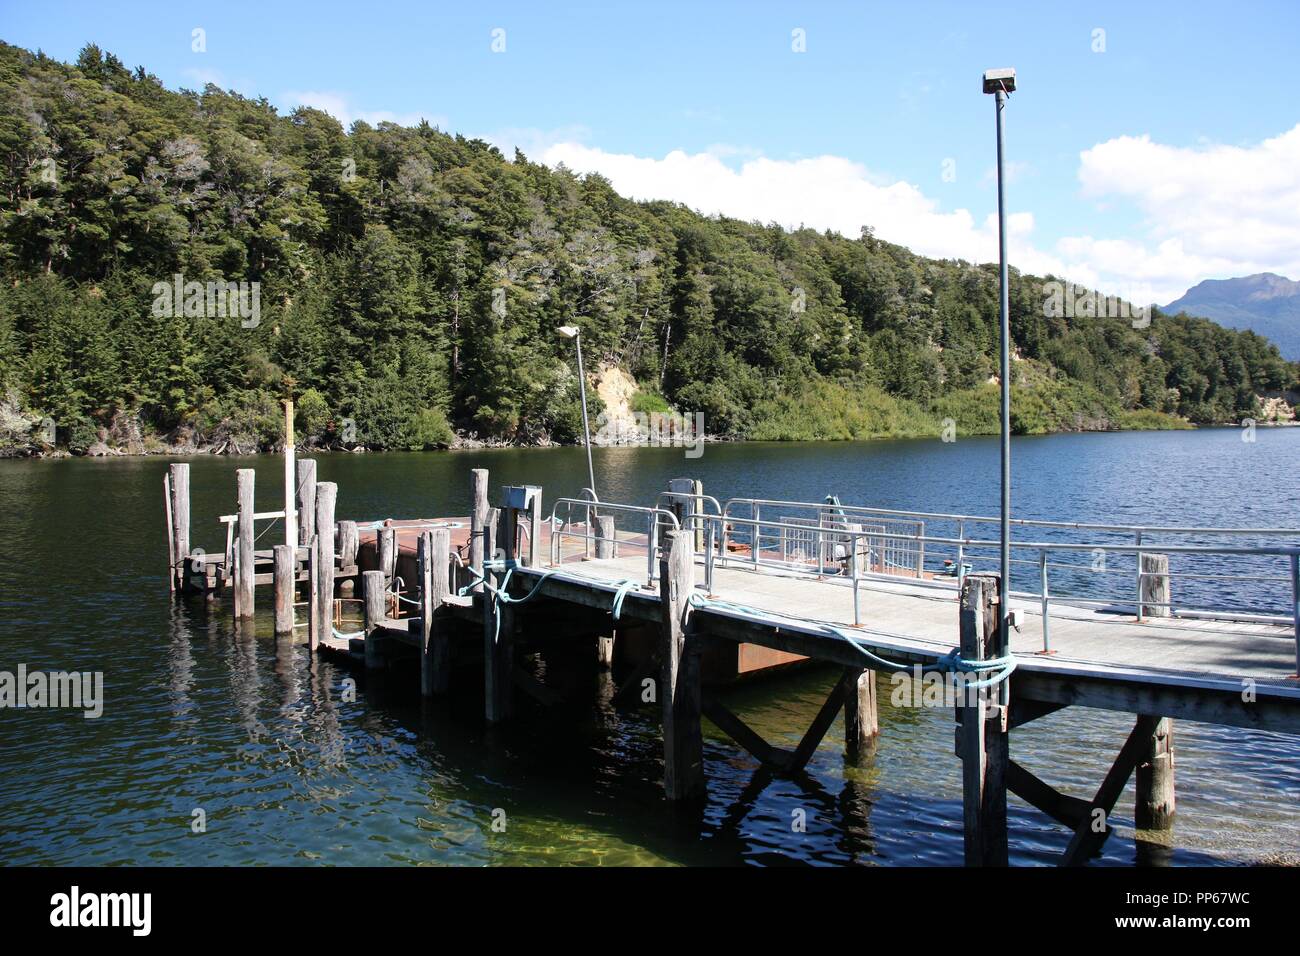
[[178, 485], [479, 525], [247, 557], [376, 594], [349, 544], [306, 500], [531, 557], [498, 623], [285, 580], [605, 549], [1155, 805], [326, 498], [434, 556], [679, 683], [861, 721], [1155, 585], [982, 730], [386, 547], [290, 478], [316, 618]]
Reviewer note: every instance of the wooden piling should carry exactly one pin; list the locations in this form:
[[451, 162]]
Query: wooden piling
[[245, 478], [1155, 585], [1155, 805], [531, 558], [861, 721], [679, 682], [376, 603], [982, 731], [498, 624], [284, 578], [434, 556], [386, 546], [349, 544], [326, 497], [605, 548], [479, 525], [306, 500], [316, 619], [178, 475]]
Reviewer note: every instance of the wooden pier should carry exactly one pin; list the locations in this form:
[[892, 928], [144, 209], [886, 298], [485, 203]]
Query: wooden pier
[[684, 592]]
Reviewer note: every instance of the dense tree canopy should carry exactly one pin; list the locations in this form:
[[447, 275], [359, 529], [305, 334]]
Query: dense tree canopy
[[410, 282]]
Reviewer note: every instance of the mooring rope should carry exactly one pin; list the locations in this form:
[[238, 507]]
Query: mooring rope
[[948, 663], [348, 636], [624, 586]]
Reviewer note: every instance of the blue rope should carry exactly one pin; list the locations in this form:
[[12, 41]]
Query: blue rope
[[624, 586], [346, 637], [948, 663]]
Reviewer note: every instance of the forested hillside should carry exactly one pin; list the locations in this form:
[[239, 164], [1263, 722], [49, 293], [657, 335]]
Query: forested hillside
[[411, 281]]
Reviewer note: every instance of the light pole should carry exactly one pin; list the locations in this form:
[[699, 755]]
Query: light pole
[[1002, 83], [573, 332]]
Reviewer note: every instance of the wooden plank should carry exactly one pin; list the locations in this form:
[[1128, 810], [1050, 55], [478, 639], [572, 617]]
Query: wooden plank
[[821, 723], [679, 686], [1062, 808], [1094, 828], [743, 734]]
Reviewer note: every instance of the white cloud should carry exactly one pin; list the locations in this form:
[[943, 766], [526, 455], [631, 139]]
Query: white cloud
[[340, 106], [1209, 212], [824, 192]]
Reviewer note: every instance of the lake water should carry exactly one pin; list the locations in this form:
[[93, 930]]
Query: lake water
[[258, 735]]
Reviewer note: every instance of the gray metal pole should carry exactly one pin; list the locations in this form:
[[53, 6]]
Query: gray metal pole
[[1000, 100], [586, 428]]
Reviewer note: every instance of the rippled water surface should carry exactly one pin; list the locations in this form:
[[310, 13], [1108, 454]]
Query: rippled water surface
[[288, 769]]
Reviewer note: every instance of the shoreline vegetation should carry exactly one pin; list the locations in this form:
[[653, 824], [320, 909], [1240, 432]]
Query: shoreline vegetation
[[174, 263]]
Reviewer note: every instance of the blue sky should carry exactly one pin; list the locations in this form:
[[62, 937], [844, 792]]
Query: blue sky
[[1124, 144]]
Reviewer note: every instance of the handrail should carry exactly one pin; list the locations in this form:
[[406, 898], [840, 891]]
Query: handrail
[[1033, 522], [655, 517]]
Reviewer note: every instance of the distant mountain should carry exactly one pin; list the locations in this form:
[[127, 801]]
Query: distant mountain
[[1265, 303]]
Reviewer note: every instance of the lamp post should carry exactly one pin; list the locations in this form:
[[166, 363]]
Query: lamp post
[[1001, 83], [573, 332]]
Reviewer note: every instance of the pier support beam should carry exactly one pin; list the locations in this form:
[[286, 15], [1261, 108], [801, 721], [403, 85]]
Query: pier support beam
[[479, 525], [434, 556], [679, 683], [498, 623], [178, 491], [306, 500], [605, 549], [982, 730], [1155, 585], [376, 602], [861, 721], [1155, 805], [326, 497], [285, 580], [315, 615], [247, 559]]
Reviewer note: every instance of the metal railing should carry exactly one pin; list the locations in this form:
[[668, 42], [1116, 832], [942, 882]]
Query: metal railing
[[893, 548], [654, 521]]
